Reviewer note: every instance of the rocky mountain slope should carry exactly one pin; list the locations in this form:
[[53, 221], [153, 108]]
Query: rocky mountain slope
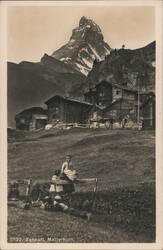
[[85, 45], [124, 66]]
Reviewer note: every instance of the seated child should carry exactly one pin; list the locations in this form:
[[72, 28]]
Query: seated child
[[56, 188], [57, 204]]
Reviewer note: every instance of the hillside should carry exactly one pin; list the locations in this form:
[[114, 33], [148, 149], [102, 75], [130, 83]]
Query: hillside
[[122, 160], [31, 84], [124, 66], [122, 148]]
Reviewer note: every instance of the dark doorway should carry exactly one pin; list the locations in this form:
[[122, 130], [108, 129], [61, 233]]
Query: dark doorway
[[40, 123]]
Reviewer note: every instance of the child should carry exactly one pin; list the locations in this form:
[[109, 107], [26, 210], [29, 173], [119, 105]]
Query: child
[[57, 204], [55, 188], [68, 173]]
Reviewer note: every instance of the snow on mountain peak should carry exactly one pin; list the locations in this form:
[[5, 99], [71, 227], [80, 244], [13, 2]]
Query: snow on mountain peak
[[85, 45]]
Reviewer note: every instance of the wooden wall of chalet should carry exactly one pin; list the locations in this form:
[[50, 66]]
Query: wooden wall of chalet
[[22, 123], [55, 110], [104, 94], [91, 96], [119, 110], [76, 112], [31, 122], [129, 95], [68, 111], [116, 93]]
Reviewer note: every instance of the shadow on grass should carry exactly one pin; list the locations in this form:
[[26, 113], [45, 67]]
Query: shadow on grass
[[130, 208]]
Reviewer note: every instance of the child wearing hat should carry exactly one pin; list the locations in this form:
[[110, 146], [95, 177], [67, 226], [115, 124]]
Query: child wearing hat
[[55, 188]]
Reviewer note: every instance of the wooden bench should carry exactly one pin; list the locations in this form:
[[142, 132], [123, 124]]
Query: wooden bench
[[78, 182]]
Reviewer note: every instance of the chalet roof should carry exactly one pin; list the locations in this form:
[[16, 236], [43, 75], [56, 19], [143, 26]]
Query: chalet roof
[[116, 85], [32, 111], [149, 93], [67, 99]]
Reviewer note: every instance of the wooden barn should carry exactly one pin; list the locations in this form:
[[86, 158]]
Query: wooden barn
[[66, 110], [148, 112], [31, 119], [105, 93]]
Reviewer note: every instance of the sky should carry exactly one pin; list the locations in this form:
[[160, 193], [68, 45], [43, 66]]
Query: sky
[[35, 30]]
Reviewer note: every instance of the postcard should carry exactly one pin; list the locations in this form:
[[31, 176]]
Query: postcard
[[81, 127]]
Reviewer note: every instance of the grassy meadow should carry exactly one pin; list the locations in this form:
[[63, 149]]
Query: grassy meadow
[[124, 206]]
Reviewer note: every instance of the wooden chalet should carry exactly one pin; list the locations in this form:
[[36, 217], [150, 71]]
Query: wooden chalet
[[31, 119], [105, 93], [66, 110]]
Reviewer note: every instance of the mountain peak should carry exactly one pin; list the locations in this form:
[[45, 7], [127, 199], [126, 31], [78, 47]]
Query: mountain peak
[[85, 45], [88, 23], [84, 20]]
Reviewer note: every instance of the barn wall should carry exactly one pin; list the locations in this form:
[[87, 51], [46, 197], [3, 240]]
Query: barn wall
[[22, 123], [116, 93], [68, 112], [90, 97], [56, 111], [76, 112], [119, 110], [129, 95]]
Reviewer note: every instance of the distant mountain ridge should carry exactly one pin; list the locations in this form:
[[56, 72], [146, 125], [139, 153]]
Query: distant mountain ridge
[[53, 64], [127, 67]]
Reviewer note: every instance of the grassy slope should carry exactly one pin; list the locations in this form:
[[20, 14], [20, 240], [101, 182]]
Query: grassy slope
[[120, 159]]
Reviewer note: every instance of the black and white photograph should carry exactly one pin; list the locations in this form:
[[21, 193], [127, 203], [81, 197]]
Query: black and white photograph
[[82, 85]]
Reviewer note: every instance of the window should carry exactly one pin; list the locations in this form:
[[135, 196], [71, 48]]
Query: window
[[22, 120], [117, 92]]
